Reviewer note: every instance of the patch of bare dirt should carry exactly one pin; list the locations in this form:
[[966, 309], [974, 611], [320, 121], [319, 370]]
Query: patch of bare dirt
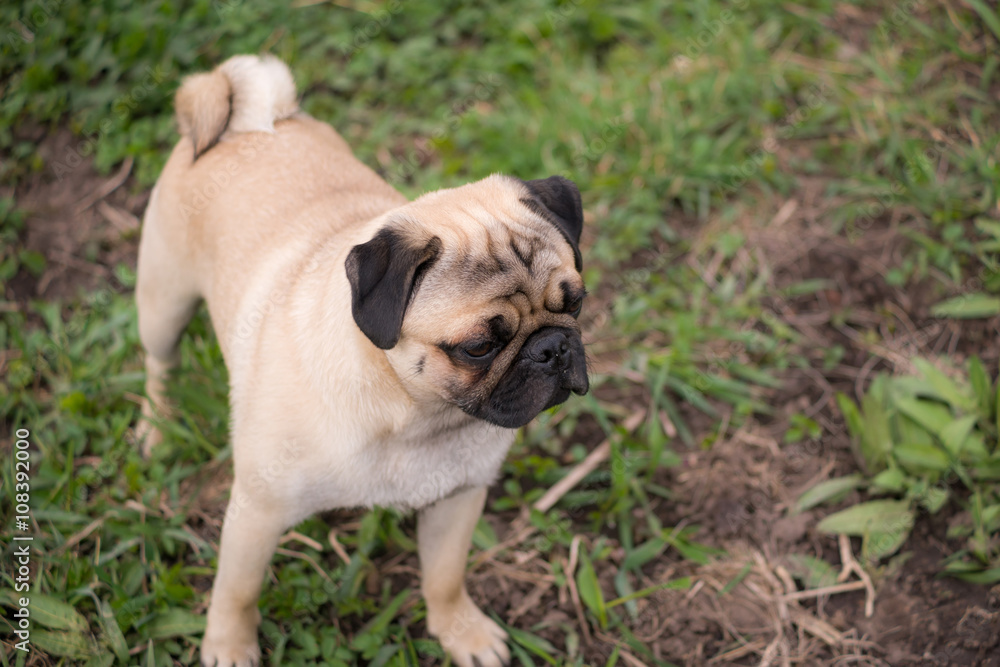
[[83, 223], [923, 619]]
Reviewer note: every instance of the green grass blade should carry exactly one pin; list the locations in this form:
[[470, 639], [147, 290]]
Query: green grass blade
[[590, 590], [676, 584], [988, 15], [113, 633], [968, 306]]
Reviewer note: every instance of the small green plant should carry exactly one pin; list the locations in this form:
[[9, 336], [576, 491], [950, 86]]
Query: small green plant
[[922, 441]]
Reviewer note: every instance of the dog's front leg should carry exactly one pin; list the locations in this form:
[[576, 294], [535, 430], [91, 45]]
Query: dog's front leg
[[250, 533], [444, 535]]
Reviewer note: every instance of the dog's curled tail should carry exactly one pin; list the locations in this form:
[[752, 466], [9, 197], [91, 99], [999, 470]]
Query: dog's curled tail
[[243, 94]]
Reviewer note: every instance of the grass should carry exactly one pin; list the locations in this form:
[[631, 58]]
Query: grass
[[685, 125]]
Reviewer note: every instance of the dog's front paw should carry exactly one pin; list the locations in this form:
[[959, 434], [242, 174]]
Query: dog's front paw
[[230, 643], [470, 636]]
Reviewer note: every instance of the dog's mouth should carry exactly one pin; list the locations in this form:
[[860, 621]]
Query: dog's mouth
[[550, 366]]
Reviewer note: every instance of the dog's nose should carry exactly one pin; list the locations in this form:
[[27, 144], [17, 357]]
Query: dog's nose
[[558, 351], [549, 348]]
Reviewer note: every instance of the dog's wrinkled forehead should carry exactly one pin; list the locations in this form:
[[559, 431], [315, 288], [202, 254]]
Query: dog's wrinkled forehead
[[504, 232], [506, 259]]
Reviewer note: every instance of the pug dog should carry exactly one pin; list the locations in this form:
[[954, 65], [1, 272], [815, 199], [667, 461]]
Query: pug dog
[[380, 351]]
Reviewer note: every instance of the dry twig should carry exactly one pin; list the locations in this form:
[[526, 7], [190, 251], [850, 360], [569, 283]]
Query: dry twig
[[851, 565], [109, 186]]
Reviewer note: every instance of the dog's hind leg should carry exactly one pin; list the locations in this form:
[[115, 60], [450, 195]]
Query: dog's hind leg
[[166, 299], [444, 535]]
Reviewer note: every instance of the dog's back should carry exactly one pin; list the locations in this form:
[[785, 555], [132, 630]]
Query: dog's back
[[214, 208]]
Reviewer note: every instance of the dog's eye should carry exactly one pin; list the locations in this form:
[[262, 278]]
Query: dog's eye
[[575, 307], [479, 350]]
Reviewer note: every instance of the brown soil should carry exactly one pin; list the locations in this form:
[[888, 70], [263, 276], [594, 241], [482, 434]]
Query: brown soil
[[82, 234], [737, 492]]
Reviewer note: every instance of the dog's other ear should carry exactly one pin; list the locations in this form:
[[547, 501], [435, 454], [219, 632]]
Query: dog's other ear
[[384, 273], [558, 200]]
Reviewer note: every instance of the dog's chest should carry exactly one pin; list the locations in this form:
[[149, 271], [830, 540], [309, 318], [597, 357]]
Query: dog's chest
[[414, 472], [414, 468]]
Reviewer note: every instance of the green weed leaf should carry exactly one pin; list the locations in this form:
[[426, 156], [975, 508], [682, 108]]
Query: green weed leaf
[[826, 491], [176, 623], [50, 612], [105, 659], [934, 499], [919, 459], [931, 415], [977, 576], [877, 545], [960, 398], [875, 516], [644, 553], [981, 387], [851, 415], [955, 436], [891, 480], [65, 644]]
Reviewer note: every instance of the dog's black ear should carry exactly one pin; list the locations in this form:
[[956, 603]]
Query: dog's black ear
[[384, 273], [558, 200]]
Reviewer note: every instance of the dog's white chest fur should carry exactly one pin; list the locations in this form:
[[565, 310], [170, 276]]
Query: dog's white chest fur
[[415, 469], [321, 470]]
